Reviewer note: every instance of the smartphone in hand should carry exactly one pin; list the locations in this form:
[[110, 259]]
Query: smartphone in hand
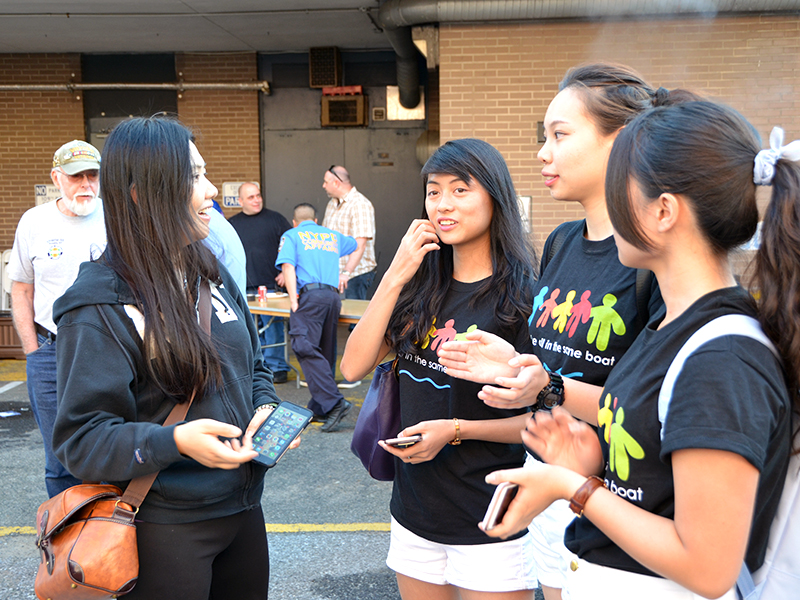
[[503, 495], [403, 442], [279, 430]]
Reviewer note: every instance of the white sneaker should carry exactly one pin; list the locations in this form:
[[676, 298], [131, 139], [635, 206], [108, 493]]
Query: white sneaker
[[303, 383], [346, 385]]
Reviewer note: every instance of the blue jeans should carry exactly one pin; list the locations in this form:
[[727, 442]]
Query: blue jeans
[[273, 357], [358, 286], [41, 371]]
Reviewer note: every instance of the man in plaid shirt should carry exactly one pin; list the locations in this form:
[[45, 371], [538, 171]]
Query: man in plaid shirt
[[349, 212]]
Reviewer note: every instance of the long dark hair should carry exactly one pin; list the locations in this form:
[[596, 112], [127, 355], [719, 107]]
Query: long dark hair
[[512, 254], [146, 186], [705, 151]]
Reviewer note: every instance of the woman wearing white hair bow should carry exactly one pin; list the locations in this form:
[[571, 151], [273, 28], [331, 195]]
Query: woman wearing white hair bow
[[676, 496]]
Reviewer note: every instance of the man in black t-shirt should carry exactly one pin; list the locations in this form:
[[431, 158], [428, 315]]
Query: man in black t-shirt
[[260, 230]]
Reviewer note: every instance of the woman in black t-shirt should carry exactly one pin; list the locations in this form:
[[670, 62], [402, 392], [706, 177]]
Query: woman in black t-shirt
[[465, 264], [682, 491], [588, 307]]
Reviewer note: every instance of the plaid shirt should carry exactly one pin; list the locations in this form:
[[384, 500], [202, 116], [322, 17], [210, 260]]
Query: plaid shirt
[[353, 215]]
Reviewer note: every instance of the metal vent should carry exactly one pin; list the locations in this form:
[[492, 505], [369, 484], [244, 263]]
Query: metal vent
[[325, 67], [344, 111]]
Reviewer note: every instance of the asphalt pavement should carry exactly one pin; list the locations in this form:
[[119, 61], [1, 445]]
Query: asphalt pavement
[[327, 520]]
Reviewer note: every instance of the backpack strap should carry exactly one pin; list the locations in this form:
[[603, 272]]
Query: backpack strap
[[559, 237], [741, 325], [721, 326], [644, 281], [745, 586]]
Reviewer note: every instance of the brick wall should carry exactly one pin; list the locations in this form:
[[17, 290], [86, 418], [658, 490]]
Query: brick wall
[[32, 127], [226, 122], [496, 81]]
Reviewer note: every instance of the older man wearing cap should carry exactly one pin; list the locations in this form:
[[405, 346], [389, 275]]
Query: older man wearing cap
[[52, 240]]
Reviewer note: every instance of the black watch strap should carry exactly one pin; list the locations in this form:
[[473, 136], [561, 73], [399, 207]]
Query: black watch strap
[[552, 394]]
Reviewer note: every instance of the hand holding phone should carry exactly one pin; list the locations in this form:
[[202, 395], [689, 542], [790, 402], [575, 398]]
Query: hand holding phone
[[503, 495], [278, 431], [403, 442]]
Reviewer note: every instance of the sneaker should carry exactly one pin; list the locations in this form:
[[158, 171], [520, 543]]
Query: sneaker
[[280, 377], [347, 385], [335, 415], [303, 383]]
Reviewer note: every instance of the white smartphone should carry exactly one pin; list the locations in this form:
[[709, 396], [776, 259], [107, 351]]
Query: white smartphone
[[403, 442], [502, 497]]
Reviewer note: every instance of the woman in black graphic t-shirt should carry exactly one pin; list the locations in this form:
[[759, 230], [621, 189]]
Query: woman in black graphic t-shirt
[[674, 506], [588, 307], [466, 264]]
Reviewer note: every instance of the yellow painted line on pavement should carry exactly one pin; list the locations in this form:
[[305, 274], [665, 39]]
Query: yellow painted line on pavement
[[6, 531], [271, 528], [325, 527], [13, 370]]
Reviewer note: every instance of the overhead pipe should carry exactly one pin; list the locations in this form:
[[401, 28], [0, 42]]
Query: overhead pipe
[[262, 86], [397, 16]]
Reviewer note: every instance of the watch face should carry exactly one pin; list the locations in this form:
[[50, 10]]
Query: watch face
[[552, 400]]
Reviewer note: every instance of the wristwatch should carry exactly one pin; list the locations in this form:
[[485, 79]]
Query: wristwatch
[[552, 394], [346, 273]]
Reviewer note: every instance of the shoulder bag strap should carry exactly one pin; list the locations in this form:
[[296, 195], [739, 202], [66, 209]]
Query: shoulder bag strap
[[139, 487]]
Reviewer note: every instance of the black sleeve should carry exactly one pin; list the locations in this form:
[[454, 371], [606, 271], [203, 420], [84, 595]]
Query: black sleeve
[[96, 432], [728, 396]]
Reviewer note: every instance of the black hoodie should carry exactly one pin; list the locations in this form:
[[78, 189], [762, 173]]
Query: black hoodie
[[109, 419]]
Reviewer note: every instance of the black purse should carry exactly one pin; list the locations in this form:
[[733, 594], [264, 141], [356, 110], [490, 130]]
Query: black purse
[[379, 419]]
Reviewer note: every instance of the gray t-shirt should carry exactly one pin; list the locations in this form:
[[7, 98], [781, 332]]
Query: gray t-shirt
[[48, 249]]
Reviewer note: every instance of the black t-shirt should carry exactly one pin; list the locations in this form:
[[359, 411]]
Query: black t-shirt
[[731, 395], [443, 500], [260, 235], [585, 313]]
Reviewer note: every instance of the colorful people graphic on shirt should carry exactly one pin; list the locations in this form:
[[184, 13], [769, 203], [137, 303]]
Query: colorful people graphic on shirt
[[547, 307], [445, 334], [580, 313], [605, 416], [537, 303], [604, 319], [622, 445], [561, 312], [566, 315]]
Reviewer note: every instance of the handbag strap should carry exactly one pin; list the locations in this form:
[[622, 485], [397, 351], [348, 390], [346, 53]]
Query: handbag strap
[[139, 487]]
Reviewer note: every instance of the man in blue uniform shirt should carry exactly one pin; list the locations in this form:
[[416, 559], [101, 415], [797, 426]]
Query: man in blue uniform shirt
[[309, 258]]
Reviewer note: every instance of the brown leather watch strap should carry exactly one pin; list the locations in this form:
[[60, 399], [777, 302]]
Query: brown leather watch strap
[[578, 500]]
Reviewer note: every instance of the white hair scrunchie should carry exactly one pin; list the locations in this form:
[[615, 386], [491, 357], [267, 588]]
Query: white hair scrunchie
[[764, 167]]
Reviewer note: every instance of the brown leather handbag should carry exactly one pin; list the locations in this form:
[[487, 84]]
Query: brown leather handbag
[[86, 535]]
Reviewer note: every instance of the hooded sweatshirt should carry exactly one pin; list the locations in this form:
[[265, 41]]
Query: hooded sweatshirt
[[110, 412]]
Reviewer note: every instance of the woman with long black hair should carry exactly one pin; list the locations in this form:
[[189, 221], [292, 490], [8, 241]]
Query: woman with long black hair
[[131, 346], [466, 263]]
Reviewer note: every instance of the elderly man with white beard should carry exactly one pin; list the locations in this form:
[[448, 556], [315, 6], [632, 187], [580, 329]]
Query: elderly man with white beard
[[51, 242]]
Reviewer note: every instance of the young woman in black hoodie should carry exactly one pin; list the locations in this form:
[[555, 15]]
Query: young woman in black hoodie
[[200, 529]]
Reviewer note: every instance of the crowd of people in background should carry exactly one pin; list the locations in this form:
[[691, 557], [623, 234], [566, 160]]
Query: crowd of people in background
[[545, 372]]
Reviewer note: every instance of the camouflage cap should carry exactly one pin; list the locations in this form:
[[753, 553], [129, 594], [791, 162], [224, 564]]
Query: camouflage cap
[[76, 156]]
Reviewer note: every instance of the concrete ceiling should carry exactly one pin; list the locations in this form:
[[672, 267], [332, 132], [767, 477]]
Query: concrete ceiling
[[107, 26]]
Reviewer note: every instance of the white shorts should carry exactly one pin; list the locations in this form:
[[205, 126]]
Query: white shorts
[[497, 567], [547, 533], [593, 582]]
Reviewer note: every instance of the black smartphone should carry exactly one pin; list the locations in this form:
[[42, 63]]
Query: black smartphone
[[280, 428], [503, 495], [403, 442]]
